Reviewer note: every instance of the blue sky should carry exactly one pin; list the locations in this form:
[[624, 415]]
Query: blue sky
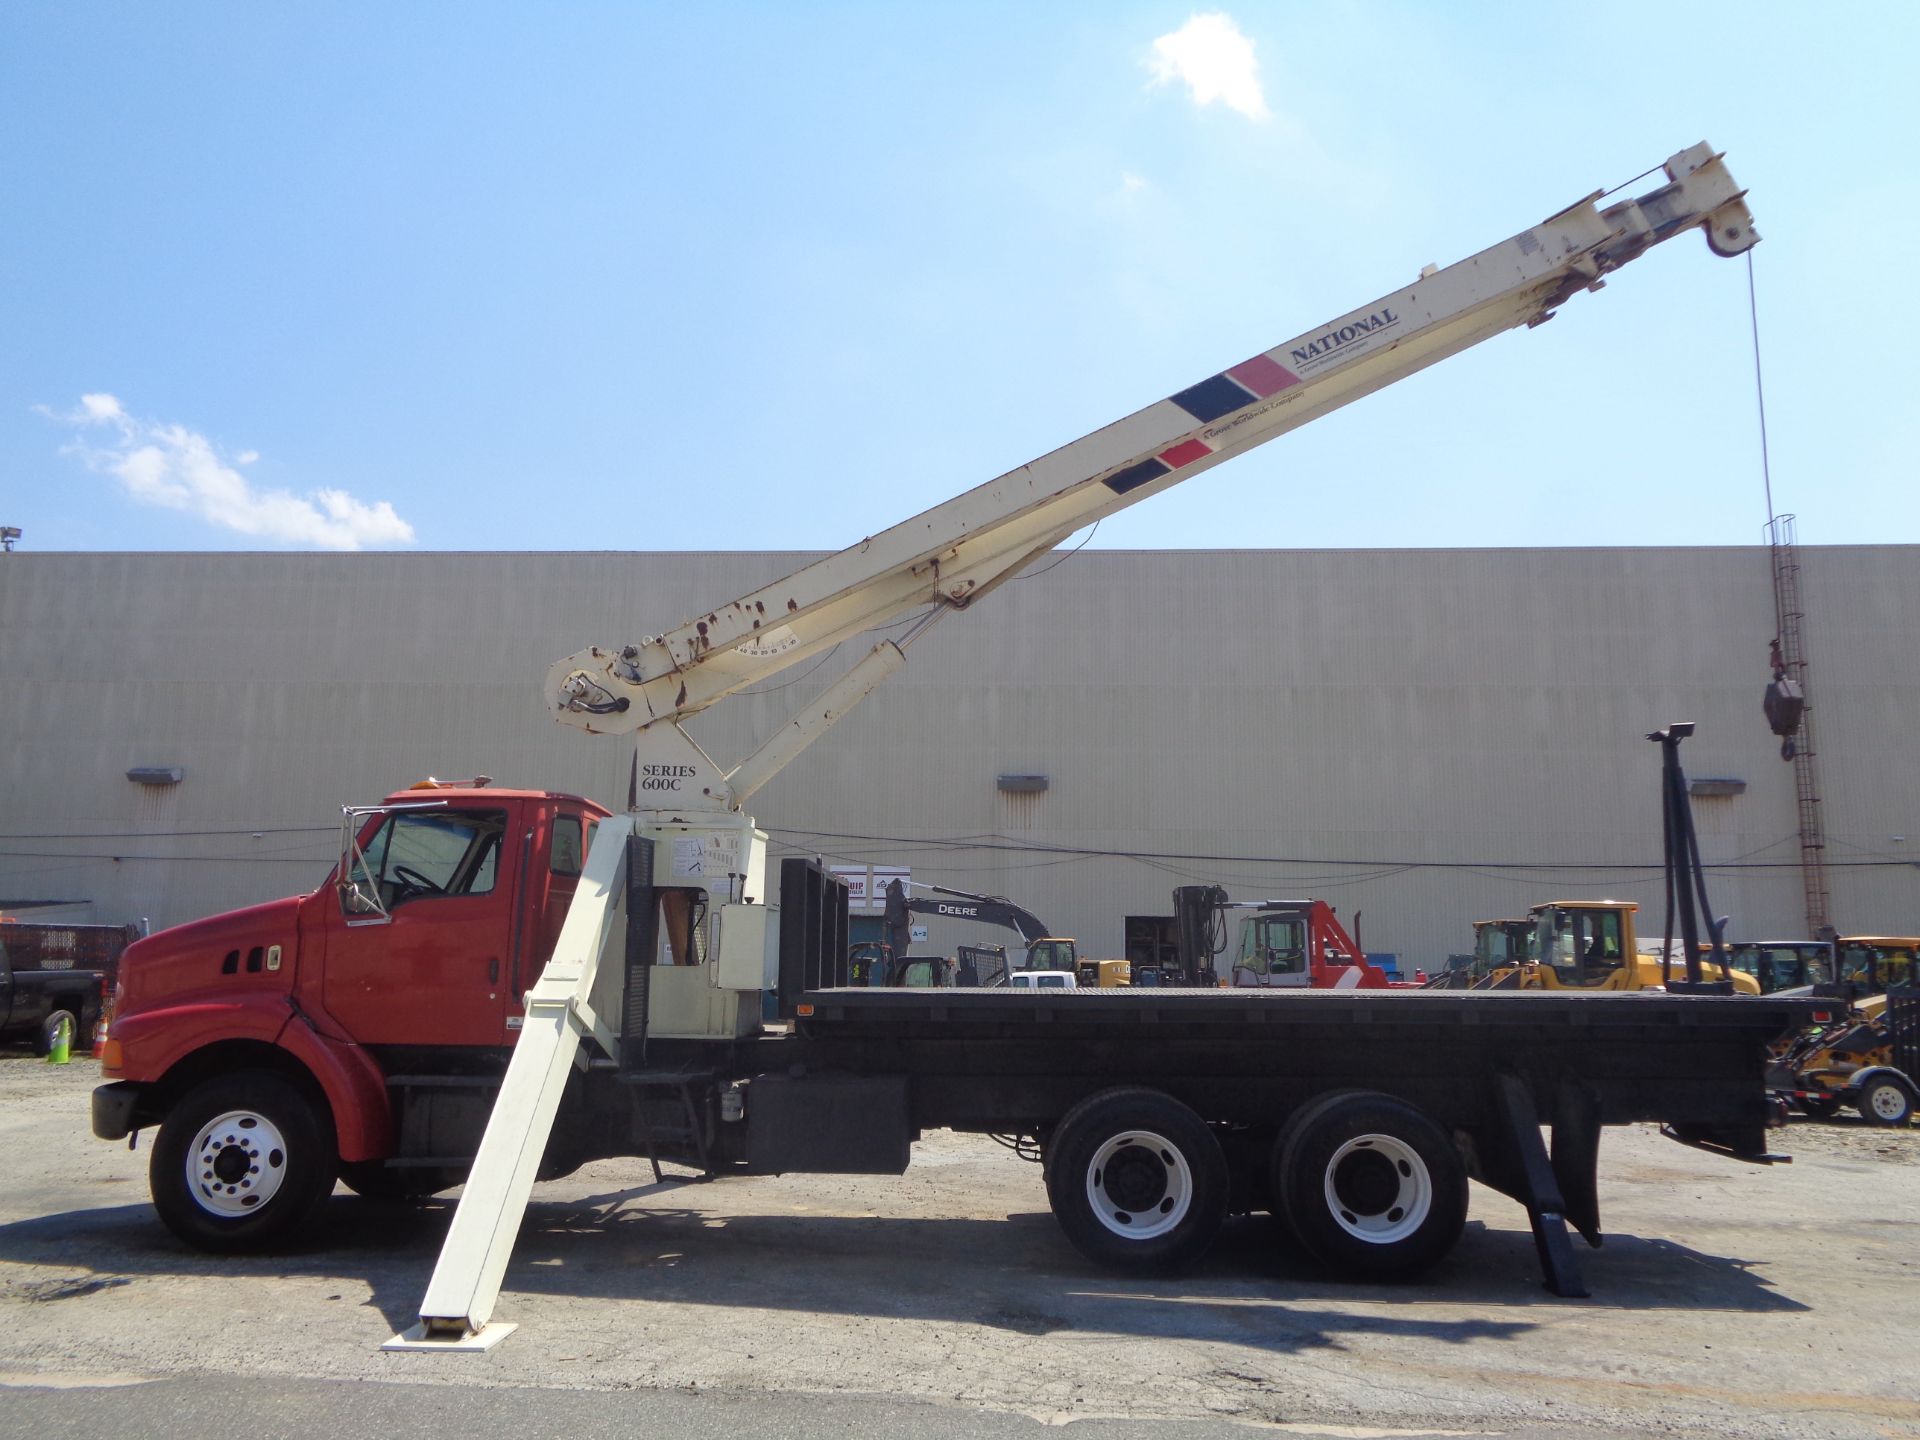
[[776, 276]]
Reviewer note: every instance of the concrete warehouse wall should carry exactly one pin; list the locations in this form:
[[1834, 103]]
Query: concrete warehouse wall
[[1398, 732]]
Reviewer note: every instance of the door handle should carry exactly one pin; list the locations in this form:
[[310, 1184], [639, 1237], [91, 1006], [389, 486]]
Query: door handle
[[493, 971]]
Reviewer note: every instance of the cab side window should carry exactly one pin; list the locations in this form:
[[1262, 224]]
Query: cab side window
[[568, 852]]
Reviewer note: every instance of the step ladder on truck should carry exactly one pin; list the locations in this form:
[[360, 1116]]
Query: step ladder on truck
[[645, 968]]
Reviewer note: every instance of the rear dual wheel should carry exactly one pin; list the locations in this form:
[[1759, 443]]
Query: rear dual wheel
[[1369, 1185], [1137, 1180]]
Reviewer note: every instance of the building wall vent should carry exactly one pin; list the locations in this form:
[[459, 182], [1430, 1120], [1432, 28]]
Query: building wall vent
[[1023, 784]]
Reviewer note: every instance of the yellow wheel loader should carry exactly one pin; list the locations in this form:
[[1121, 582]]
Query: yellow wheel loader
[[1591, 945]]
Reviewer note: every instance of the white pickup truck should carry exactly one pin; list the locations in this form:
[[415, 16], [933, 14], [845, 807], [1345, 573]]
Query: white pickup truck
[[1042, 980]]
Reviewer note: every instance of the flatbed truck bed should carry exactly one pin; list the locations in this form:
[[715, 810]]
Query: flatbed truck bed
[[863, 1071]]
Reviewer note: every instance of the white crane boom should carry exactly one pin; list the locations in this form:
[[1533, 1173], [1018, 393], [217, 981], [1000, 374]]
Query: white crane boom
[[956, 552]]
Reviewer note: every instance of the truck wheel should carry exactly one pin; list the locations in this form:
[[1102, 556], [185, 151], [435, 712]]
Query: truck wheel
[[1137, 1180], [1885, 1100], [240, 1162], [44, 1038], [1369, 1186]]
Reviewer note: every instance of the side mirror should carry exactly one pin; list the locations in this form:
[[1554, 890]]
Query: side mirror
[[355, 901]]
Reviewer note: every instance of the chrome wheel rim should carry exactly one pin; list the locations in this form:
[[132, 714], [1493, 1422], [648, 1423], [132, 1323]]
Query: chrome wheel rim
[[236, 1163]]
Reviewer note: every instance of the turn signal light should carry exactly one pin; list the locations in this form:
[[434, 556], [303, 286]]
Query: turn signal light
[[110, 1058]]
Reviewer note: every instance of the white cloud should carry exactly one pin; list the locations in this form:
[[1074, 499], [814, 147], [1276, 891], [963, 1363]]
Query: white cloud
[[1131, 183], [1214, 61], [180, 469]]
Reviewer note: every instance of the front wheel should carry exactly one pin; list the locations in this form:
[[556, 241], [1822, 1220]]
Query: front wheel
[[1137, 1180], [241, 1161], [1369, 1186], [1885, 1100]]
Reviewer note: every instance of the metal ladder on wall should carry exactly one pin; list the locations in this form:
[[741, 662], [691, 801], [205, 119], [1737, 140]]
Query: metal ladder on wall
[[1790, 618]]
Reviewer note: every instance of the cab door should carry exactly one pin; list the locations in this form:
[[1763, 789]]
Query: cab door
[[418, 947], [567, 838]]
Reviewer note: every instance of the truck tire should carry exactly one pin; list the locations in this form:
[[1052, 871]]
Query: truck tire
[[1885, 1100], [1369, 1186], [1137, 1180], [241, 1161], [49, 1028]]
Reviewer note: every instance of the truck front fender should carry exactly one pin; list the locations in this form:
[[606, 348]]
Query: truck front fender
[[356, 1090], [171, 1046]]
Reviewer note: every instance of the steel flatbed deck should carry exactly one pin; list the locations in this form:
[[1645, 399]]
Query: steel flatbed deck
[[983, 1059], [1491, 1067], [821, 1010]]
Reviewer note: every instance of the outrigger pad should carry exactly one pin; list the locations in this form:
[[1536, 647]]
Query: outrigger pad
[[471, 1342]]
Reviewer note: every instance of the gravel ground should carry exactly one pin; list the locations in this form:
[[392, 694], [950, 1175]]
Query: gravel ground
[[1729, 1299]]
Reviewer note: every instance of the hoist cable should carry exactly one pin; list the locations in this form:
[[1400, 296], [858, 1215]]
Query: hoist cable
[[1760, 390]]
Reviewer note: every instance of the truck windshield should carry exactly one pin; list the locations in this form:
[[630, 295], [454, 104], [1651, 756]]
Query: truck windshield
[[418, 853]]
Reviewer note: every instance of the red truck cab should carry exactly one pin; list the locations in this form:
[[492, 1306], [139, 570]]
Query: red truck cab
[[280, 1027]]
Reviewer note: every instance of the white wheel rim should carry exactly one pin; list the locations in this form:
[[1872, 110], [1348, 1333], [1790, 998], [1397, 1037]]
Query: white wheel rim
[[1139, 1185], [1887, 1102], [236, 1163], [1377, 1189]]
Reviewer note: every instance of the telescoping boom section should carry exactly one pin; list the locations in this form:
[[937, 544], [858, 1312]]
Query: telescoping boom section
[[959, 550], [688, 851]]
